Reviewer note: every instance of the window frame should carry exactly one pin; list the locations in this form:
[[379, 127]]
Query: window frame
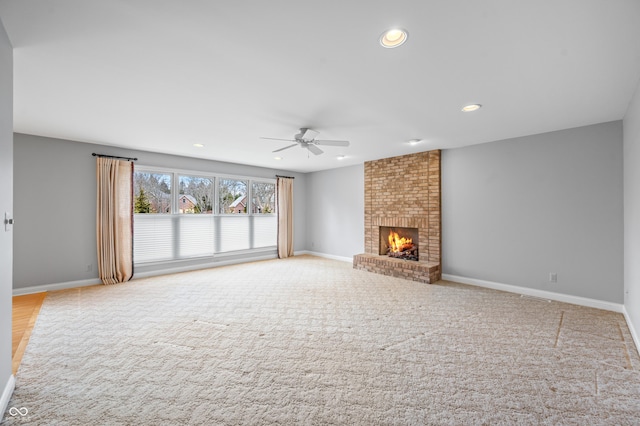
[[176, 177], [217, 195], [172, 204], [176, 215]]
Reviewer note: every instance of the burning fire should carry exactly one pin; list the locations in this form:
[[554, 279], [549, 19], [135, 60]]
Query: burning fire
[[399, 244]]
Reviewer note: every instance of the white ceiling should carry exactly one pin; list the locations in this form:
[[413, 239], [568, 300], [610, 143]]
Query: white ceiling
[[162, 75]]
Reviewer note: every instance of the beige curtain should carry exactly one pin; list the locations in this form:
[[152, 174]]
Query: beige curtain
[[285, 216], [114, 220]]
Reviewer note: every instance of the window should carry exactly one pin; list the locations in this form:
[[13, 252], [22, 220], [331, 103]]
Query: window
[[232, 196], [152, 192], [263, 205], [153, 236], [196, 194], [200, 215], [263, 197]]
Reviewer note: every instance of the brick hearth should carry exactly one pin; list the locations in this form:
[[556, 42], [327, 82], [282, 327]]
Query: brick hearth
[[403, 191], [425, 272]]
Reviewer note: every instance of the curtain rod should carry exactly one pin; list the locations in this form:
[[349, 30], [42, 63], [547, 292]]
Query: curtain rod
[[114, 156], [287, 177]]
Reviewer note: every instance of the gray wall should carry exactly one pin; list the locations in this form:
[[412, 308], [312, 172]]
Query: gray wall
[[632, 212], [335, 211], [55, 193], [6, 205], [516, 210], [513, 211]]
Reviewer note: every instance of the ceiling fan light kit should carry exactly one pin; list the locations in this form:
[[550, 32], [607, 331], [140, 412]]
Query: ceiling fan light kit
[[307, 134]]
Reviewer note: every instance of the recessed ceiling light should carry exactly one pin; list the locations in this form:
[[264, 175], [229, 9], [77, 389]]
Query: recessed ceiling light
[[415, 141], [471, 107], [277, 158], [393, 38], [198, 145], [341, 157]]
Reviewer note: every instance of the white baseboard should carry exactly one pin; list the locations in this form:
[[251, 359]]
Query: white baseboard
[[174, 270], [558, 297], [6, 395], [632, 329], [326, 256], [179, 269], [56, 286], [96, 281]]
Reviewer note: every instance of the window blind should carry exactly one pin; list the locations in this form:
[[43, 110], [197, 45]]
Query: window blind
[[234, 233], [153, 237], [195, 236], [265, 231]]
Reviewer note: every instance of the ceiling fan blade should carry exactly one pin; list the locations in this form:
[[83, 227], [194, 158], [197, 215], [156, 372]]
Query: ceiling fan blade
[[309, 135], [278, 139], [286, 147], [314, 149], [331, 143]]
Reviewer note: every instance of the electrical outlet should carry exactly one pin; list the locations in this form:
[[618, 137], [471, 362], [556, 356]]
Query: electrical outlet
[[89, 267], [553, 277], [8, 221]]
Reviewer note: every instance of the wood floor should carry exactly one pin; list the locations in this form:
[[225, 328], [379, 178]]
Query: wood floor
[[24, 314]]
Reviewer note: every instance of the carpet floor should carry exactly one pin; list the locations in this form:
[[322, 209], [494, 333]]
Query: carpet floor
[[311, 341]]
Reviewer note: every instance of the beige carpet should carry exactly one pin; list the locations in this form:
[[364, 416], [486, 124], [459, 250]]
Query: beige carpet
[[311, 341]]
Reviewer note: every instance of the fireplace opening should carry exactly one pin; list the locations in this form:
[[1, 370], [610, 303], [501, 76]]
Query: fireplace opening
[[399, 242]]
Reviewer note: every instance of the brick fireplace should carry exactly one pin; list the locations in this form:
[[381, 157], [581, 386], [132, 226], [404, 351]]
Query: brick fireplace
[[403, 192]]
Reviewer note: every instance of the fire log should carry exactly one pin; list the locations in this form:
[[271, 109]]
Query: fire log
[[406, 247]]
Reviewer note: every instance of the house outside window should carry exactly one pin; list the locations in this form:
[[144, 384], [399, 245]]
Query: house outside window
[[232, 196], [195, 194]]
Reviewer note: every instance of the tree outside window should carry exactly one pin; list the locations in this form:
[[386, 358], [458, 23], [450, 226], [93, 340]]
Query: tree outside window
[[232, 196], [195, 195], [263, 198], [152, 192]]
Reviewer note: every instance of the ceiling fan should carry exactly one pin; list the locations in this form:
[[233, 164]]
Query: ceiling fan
[[307, 139]]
